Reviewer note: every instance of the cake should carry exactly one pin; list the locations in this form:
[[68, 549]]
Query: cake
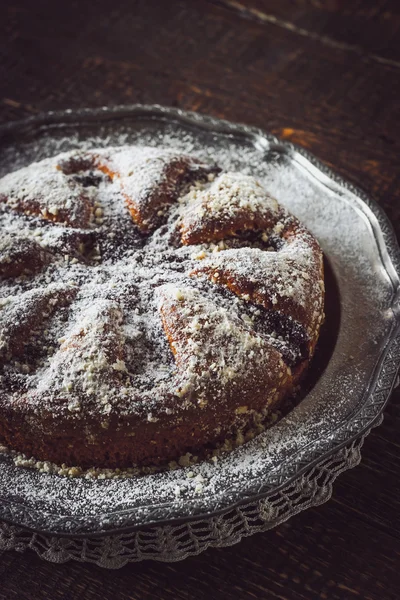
[[151, 305]]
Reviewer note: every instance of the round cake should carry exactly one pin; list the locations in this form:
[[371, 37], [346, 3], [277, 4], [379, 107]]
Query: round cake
[[150, 305]]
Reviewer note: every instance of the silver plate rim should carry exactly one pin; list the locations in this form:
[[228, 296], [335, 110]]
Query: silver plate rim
[[383, 379]]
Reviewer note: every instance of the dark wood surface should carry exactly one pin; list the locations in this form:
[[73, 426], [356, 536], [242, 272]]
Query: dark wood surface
[[322, 73]]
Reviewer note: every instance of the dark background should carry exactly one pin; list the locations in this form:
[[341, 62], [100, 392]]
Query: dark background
[[322, 73]]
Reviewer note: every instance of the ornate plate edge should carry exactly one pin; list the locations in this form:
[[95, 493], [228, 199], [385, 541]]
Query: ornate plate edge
[[361, 422]]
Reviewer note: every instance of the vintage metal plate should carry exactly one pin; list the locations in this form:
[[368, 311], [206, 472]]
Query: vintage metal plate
[[350, 380]]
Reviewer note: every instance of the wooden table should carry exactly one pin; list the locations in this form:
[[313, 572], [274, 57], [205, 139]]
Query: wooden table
[[324, 74]]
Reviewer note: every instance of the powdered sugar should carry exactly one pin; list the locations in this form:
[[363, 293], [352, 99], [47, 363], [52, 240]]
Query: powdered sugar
[[213, 350], [270, 278], [231, 203], [41, 189]]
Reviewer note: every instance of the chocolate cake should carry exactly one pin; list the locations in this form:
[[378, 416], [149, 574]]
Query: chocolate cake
[[150, 305]]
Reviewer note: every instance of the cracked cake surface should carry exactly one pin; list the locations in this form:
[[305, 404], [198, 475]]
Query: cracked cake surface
[[150, 304]]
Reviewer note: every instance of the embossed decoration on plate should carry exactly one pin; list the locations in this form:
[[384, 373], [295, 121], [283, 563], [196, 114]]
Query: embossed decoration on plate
[[341, 405]]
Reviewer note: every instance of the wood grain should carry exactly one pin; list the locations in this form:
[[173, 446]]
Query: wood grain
[[325, 75], [368, 28]]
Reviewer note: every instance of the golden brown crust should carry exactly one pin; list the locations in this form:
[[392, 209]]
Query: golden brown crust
[[271, 268], [204, 338], [42, 191], [233, 203], [161, 179]]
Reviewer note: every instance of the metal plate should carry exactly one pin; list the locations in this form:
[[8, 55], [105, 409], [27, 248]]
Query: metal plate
[[359, 352]]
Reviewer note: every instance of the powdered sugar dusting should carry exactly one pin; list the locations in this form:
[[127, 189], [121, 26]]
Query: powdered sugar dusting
[[270, 278], [231, 203], [207, 341], [41, 189]]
